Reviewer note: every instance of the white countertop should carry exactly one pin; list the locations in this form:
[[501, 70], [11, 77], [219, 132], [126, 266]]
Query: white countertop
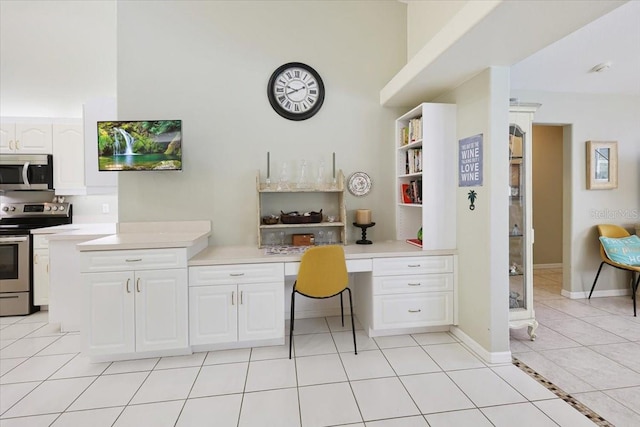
[[215, 255], [76, 231], [151, 235]]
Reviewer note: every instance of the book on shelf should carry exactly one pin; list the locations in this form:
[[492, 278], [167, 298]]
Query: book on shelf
[[416, 191], [404, 136], [413, 161], [415, 129], [412, 192], [406, 194], [415, 242]]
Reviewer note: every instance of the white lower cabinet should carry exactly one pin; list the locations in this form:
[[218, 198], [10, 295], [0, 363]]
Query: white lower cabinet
[[412, 292], [137, 310], [40, 270], [241, 303]]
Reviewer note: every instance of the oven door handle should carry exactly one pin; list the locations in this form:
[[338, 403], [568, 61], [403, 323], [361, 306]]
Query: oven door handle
[[13, 239], [25, 170]]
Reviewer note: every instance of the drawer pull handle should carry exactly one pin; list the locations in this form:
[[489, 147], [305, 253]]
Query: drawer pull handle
[[414, 284], [233, 301], [133, 260], [128, 291], [415, 311], [413, 265], [47, 268], [236, 274], [35, 259], [241, 292], [138, 284]]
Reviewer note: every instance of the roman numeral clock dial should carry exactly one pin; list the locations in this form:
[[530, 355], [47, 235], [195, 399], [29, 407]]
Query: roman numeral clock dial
[[295, 91]]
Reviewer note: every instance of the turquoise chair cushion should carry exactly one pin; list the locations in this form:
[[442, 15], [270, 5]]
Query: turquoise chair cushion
[[623, 250]]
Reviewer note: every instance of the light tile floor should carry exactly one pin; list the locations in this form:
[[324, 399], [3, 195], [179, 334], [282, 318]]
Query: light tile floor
[[401, 381], [588, 348]]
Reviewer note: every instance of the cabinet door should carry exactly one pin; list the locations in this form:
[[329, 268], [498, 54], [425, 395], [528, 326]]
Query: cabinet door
[[260, 311], [111, 328], [68, 159], [213, 313], [161, 309], [33, 138], [7, 138], [41, 277]]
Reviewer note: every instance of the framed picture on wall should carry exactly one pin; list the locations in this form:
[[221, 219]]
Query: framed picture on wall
[[602, 165]]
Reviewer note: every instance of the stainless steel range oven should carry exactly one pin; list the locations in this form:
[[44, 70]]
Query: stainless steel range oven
[[16, 250]]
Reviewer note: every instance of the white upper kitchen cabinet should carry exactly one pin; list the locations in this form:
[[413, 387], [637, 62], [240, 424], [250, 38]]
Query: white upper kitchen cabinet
[[25, 138], [68, 159], [95, 110]]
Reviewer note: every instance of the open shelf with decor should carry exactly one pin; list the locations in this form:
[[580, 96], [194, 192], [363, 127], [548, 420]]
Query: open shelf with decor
[[426, 175], [324, 206]]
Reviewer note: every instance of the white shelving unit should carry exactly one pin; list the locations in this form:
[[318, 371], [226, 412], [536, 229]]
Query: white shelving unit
[[430, 140], [273, 201]]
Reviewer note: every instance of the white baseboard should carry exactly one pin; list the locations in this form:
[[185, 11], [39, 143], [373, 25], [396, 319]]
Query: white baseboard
[[489, 357], [546, 266], [596, 293]]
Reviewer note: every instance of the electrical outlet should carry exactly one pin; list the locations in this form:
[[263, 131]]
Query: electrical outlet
[[105, 208]]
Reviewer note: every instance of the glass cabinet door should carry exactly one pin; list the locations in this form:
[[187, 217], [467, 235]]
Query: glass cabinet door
[[520, 227], [517, 220]]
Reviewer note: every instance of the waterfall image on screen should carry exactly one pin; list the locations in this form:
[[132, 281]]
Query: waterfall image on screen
[[140, 145]]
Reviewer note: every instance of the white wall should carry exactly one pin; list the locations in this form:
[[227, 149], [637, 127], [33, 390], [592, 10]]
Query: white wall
[[483, 107], [596, 118], [55, 55], [425, 19], [208, 64]]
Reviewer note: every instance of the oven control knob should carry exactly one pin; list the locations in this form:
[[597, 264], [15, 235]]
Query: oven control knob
[[61, 208], [12, 208], [5, 208], [55, 208], [47, 208]]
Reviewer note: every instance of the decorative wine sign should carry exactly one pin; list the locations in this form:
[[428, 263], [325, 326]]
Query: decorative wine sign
[[470, 161]]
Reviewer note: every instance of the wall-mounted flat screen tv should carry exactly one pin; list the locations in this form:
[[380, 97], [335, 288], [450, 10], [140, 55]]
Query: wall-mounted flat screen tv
[[154, 145]]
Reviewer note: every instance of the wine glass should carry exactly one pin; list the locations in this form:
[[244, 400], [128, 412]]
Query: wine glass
[[330, 237], [281, 236], [320, 239]]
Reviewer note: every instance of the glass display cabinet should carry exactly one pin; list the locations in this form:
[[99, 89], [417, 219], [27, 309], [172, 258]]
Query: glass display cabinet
[[521, 313]]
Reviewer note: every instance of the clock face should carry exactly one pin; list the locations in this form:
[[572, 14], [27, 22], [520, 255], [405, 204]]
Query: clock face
[[295, 91]]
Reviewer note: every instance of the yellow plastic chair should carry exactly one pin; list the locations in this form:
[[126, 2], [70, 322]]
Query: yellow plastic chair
[[322, 274], [615, 231]]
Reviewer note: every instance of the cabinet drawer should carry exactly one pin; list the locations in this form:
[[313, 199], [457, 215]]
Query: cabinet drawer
[[92, 262], [413, 310], [40, 242], [412, 265], [410, 283], [236, 274]]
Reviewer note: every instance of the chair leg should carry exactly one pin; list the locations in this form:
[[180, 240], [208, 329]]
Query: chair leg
[[353, 325], [594, 282], [293, 304], [634, 290], [341, 309]]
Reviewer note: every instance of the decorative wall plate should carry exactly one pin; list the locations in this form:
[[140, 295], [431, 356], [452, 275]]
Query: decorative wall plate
[[359, 184]]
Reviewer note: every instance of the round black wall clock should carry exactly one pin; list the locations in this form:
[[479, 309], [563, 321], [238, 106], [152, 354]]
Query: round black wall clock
[[295, 91]]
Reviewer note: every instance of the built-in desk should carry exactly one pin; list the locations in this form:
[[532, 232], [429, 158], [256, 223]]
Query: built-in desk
[[237, 298], [160, 291]]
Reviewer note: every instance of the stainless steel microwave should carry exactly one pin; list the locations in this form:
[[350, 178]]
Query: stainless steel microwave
[[26, 172]]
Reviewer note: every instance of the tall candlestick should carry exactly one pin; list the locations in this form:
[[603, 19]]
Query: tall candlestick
[[268, 166], [334, 165], [363, 216]]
